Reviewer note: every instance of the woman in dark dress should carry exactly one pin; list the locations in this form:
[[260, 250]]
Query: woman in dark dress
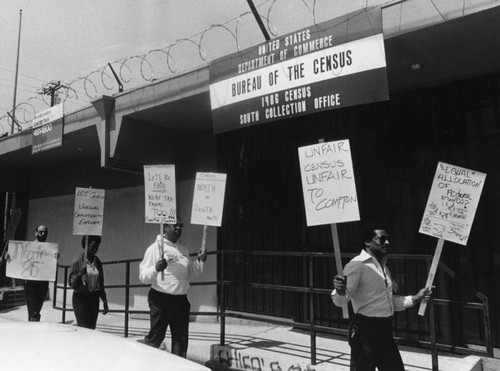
[[87, 279]]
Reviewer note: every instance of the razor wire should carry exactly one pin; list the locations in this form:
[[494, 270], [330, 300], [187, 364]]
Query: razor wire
[[158, 63]]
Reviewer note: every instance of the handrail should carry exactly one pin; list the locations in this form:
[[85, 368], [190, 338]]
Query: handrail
[[221, 313]]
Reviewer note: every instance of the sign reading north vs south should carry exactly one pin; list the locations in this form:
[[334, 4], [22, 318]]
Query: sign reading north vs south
[[322, 67], [208, 199]]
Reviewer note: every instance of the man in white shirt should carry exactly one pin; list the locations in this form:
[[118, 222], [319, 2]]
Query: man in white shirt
[[368, 285], [169, 272]]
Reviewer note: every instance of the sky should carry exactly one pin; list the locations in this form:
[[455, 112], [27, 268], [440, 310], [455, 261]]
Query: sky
[[72, 41]]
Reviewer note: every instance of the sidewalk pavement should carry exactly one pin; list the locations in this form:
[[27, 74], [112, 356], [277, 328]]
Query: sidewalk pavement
[[253, 345]]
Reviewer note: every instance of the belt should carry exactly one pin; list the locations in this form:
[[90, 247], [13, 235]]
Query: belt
[[361, 318]]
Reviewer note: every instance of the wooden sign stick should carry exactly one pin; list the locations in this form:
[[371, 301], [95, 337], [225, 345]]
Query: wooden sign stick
[[161, 247], [85, 254], [338, 261], [432, 273], [204, 240], [336, 250], [86, 245]]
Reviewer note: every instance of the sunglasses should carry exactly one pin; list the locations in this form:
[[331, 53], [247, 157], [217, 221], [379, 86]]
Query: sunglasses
[[382, 239]]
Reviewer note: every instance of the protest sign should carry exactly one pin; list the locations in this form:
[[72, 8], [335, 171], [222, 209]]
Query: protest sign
[[159, 190], [329, 189], [89, 211], [208, 199], [32, 260], [328, 183], [450, 210], [452, 203]]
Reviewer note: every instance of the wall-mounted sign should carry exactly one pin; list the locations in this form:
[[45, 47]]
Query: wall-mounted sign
[[335, 64], [32, 260], [47, 129], [89, 211], [159, 190], [208, 199], [328, 183], [452, 203]]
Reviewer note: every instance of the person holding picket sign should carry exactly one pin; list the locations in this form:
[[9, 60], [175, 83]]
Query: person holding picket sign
[[368, 285], [169, 269], [86, 277]]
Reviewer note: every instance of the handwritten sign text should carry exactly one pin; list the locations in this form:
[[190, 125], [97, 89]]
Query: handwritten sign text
[[328, 183], [30, 260], [452, 203]]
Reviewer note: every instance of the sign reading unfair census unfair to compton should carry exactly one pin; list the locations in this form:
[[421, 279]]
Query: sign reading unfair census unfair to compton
[[159, 190], [89, 211], [334, 64], [208, 199], [47, 129], [452, 203], [32, 260], [328, 183]]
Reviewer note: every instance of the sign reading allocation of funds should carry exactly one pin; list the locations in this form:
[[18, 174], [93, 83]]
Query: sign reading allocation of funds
[[452, 203], [328, 183]]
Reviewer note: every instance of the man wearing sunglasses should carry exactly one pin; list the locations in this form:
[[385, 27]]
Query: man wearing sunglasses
[[368, 285], [169, 269]]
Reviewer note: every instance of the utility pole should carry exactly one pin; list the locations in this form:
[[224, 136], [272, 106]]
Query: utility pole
[[17, 70], [51, 91]]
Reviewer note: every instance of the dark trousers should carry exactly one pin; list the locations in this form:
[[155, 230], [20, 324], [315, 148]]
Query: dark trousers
[[86, 308], [169, 310], [36, 293], [373, 345]]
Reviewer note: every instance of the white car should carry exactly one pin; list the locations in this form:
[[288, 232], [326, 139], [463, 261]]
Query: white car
[[51, 346]]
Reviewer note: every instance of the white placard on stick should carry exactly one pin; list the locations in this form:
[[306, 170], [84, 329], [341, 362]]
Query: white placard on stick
[[89, 211], [32, 260], [159, 190], [328, 183], [452, 203], [208, 199]]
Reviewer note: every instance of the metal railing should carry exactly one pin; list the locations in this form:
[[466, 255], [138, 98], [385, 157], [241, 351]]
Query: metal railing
[[310, 290]]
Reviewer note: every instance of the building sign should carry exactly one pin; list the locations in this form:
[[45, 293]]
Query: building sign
[[208, 199], [335, 64], [452, 203], [159, 190], [32, 260], [47, 129], [89, 211], [328, 183]]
